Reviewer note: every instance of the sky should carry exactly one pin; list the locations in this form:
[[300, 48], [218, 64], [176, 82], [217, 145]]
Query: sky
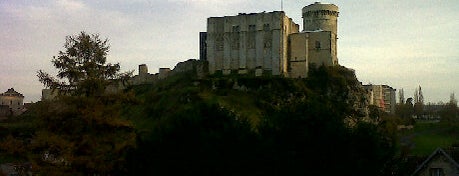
[[403, 44]]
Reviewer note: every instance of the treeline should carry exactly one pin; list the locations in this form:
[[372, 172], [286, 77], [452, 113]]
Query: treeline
[[415, 108]]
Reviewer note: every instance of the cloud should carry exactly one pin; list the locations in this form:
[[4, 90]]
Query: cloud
[[70, 5]]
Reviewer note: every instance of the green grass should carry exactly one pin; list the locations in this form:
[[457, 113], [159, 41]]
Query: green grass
[[425, 144], [426, 137]]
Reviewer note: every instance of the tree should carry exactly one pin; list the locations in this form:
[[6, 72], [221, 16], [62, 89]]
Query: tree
[[83, 66], [82, 132], [406, 111], [401, 97], [418, 103], [452, 100], [451, 112]]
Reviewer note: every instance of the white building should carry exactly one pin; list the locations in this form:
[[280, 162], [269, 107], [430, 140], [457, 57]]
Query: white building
[[382, 96], [14, 100]]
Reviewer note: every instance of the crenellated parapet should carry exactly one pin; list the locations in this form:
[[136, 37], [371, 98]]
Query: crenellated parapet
[[320, 16]]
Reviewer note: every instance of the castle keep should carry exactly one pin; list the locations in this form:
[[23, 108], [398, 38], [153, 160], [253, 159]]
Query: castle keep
[[270, 43]]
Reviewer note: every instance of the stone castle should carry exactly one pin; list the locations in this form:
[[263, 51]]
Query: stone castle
[[271, 43], [258, 44]]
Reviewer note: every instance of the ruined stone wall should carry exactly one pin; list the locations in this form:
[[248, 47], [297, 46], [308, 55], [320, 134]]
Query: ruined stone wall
[[48, 94], [199, 68]]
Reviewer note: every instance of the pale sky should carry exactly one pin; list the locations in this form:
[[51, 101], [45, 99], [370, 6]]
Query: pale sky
[[400, 43]]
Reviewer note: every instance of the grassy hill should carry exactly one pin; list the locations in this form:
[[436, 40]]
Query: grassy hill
[[247, 97], [232, 125]]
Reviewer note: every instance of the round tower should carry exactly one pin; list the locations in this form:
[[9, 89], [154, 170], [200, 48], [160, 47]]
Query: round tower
[[320, 16]]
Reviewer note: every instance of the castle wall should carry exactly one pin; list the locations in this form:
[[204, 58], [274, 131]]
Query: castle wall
[[203, 46], [237, 44], [298, 57], [322, 48], [163, 73]]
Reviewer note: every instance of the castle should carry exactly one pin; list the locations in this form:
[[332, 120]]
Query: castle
[[271, 43]]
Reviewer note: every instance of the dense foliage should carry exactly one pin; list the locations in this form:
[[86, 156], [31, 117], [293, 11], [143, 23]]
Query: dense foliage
[[299, 130]]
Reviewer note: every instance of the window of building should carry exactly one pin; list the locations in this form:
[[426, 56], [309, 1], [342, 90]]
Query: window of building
[[268, 36], [235, 42], [317, 45], [235, 38], [266, 27], [251, 36], [267, 44], [436, 172], [252, 28], [11, 102], [219, 42], [236, 29]]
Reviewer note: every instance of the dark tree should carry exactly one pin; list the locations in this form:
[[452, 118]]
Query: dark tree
[[82, 67], [81, 132], [451, 112]]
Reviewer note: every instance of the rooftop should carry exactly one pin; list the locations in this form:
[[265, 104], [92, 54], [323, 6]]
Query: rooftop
[[12, 92]]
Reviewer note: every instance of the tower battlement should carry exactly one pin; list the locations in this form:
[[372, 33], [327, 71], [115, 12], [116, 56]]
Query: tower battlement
[[320, 16]]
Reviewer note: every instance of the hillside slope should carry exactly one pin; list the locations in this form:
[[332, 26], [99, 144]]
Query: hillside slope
[[238, 125]]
